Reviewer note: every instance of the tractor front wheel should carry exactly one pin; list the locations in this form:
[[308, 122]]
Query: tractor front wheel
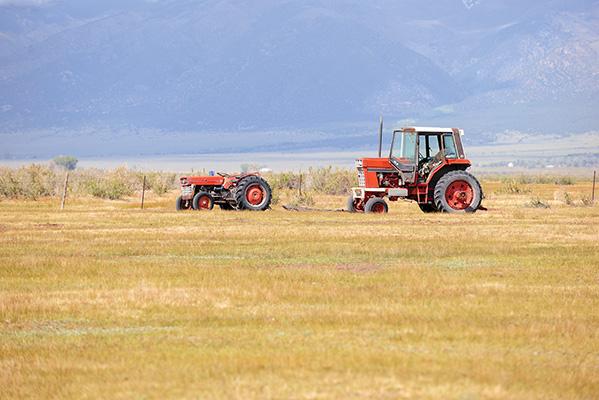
[[376, 205], [354, 205], [203, 201], [183, 204], [458, 192]]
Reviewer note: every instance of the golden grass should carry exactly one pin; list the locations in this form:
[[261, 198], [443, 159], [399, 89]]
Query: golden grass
[[104, 300]]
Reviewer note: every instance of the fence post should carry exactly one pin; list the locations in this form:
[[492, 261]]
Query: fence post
[[143, 192], [594, 179], [300, 184], [64, 190]]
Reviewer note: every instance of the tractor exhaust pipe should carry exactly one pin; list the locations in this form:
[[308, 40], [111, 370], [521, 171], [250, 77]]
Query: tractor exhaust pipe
[[380, 135]]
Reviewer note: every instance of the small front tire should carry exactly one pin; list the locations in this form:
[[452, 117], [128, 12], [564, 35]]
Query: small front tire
[[203, 201], [351, 207], [376, 205], [182, 204]]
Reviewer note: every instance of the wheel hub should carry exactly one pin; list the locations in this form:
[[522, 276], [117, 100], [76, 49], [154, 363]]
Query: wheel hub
[[459, 195], [378, 208], [204, 202], [254, 195]]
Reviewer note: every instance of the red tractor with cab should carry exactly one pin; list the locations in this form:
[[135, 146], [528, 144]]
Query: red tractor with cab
[[426, 165], [247, 191]]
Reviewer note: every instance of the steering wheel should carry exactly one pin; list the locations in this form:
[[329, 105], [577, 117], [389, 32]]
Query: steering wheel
[[223, 174]]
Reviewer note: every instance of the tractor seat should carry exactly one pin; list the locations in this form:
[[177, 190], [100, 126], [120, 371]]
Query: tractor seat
[[427, 165]]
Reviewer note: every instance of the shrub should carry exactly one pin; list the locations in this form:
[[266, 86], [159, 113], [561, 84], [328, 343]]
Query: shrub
[[568, 199], [512, 186], [284, 181], [331, 181], [161, 183], [29, 182], [537, 203], [67, 162], [9, 184], [586, 201], [545, 179], [305, 199], [114, 185]]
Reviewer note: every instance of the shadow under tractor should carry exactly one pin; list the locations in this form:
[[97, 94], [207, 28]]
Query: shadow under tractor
[[248, 191], [425, 165]]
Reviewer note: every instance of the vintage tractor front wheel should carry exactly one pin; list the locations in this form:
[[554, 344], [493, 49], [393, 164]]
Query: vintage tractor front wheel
[[376, 205], [458, 192], [203, 201], [354, 205], [183, 204], [253, 193]]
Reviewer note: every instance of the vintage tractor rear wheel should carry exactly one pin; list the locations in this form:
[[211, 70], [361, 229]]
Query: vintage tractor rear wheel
[[458, 192], [183, 204], [253, 193], [376, 205], [203, 201], [428, 208]]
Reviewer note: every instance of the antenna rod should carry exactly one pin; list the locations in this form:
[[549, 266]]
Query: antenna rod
[[380, 136]]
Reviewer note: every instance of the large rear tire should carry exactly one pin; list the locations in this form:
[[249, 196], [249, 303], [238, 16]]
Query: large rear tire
[[202, 201], [458, 192], [253, 193], [376, 205]]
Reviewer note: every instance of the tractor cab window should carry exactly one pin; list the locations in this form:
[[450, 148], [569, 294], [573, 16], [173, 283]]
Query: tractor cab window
[[428, 147], [408, 146], [449, 145]]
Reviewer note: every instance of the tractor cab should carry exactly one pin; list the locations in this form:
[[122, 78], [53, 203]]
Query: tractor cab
[[426, 165], [416, 151]]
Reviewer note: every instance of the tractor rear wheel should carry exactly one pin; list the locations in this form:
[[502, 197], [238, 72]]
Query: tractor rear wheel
[[376, 205], [253, 193], [458, 192], [183, 204], [428, 208], [203, 201]]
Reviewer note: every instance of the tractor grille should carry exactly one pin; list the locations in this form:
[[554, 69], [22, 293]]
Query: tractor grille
[[361, 177], [186, 192]]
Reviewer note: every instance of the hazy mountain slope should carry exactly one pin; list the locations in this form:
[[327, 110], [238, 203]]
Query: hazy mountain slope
[[292, 64], [323, 65]]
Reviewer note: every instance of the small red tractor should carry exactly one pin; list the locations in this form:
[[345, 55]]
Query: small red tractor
[[248, 191], [425, 165]]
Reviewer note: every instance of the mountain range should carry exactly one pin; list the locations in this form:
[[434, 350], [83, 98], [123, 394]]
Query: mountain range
[[155, 76]]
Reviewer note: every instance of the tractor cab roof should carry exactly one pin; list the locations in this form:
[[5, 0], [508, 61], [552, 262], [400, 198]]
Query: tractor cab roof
[[430, 129]]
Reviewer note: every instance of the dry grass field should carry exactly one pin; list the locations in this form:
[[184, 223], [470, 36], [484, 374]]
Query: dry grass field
[[104, 300]]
